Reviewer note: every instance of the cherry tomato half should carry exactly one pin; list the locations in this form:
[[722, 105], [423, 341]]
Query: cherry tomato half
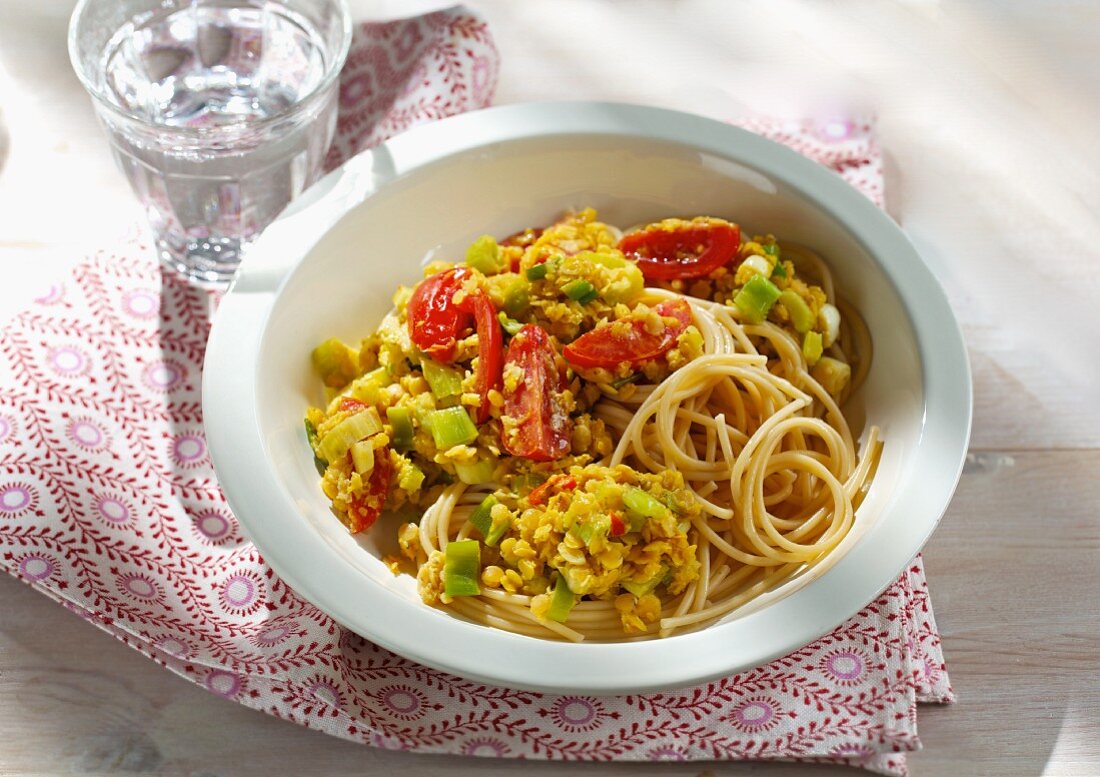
[[536, 426], [365, 508], [609, 345], [490, 349], [435, 321], [685, 249]]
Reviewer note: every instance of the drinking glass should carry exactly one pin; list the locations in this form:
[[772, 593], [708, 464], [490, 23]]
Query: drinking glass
[[219, 112]]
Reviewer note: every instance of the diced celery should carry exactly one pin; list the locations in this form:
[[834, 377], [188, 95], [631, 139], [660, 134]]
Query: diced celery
[[401, 420], [484, 255], [450, 427], [482, 516], [362, 456], [580, 290], [812, 347], [351, 430], [561, 601], [539, 271], [595, 526], [642, 587], [801, 316], [462, 568], [511, 326], [832, 374], [779, 271], [475, 473], [756, 298], [635, 521], [642, 503], [445, 382], [516, 295], [335, 362], [367, 387], [410, 477]]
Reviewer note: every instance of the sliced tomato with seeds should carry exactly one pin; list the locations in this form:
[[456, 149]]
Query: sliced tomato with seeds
[[490, 349], [435, 322], [629, 341], [679, 250], [536, 425], [364, 508], [351, 403]]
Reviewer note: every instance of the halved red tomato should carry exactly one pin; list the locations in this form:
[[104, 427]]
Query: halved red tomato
[[611, 343], [675, 249], [490, 349], [536, 426], [435, 321], [365, 508]]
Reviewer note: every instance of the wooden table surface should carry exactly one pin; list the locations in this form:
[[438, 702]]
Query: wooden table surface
[[988, 114]]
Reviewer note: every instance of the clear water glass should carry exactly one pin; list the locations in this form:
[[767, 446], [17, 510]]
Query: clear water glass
[[219, 112]]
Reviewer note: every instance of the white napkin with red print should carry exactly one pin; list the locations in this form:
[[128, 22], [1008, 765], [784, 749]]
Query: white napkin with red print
[[108, 504]]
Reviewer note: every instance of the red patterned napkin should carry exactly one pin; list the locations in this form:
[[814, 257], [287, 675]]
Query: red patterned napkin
[[108, 504]]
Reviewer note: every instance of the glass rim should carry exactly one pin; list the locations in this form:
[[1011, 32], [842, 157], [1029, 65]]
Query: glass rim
[[332, 73]]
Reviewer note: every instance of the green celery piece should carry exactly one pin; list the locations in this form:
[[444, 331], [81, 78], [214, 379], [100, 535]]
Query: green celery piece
[[630, 287], [600, 525], [367, 387], [812, 347], [461, 568], [475, 473], [516, 295], [511, 326], [482, 516], [756, 298], [642, 587], [362, 456], [539, 271], [335, 362], [445, 382], [779, 271], [351, 430], [644, 504], [561, 601], [401, 420], [771, 249], [580, 290], [450, 427], [411, 477], [484, 255], [801, 316]]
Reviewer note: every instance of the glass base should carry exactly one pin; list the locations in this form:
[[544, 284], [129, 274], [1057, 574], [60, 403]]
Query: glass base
[[210, 262]]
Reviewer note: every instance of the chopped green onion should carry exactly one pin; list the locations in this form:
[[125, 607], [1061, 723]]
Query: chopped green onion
[[410, 477], [401, 420], [510, 325], [484, 255], [539, 271], [482, 516], [771, 249], [756, 298], [311, 434], [475, 473], [801, 315], [461, 568], [561, 601], [445, 382], [642, 503], [450, 427], [623, 381], [812, 347], [580, 290], [362, 456], [779, 271], [351, 430], [335, 362]]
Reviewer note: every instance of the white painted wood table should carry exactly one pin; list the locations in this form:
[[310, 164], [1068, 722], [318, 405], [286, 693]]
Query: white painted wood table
[[988, 115]]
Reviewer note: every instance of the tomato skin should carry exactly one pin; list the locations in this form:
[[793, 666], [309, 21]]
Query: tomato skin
[[490, 349], [364, 509], [435, 321], [665, 254], [618, 526], [536, 426], [541, 493], [603, 347]]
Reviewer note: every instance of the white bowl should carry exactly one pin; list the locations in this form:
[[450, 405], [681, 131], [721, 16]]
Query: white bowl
[[330, 265]]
